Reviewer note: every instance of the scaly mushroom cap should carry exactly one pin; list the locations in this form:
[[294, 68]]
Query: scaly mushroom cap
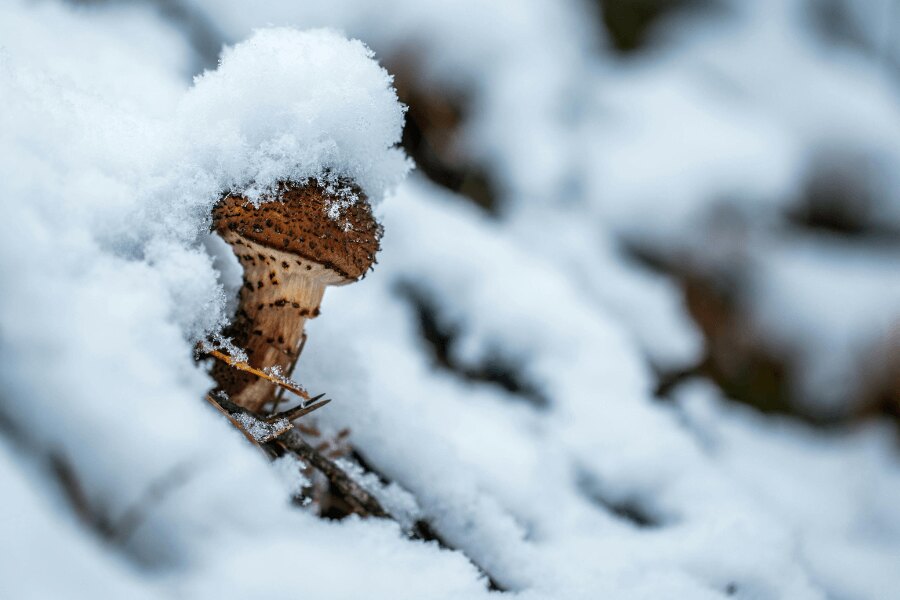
[[298, 224], [291, 249]]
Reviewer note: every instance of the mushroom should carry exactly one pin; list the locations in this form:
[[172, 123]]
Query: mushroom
[[291, 249]]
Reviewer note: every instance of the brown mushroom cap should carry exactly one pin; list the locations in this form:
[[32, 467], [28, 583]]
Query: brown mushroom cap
[[298, 223]]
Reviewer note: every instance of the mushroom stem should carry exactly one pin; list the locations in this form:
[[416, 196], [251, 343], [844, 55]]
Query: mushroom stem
[[280, 292]]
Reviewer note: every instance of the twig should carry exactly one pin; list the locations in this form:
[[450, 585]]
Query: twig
[[220, 406], [227, 405], [282, 382], [356, 496], [298, 411], [256, 430]]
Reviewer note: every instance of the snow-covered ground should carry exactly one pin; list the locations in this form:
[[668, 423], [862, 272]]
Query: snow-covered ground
[[568, 477]]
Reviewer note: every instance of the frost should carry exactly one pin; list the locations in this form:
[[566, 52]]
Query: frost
[[261, 431], [275, 373], [219, 342]]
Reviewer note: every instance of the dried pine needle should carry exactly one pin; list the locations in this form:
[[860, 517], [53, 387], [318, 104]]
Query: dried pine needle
[[282, 382]]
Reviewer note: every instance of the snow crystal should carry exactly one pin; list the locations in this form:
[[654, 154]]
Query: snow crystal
[[219, 342], [261, 431]]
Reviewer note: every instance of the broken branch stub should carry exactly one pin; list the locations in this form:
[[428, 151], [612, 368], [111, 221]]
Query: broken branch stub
[[291, 248]]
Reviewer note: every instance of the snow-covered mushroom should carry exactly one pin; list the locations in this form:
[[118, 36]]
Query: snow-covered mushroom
[[291, 249], [315, 109]]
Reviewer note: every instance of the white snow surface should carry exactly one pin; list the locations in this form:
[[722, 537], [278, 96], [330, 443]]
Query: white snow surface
[[591, 487]]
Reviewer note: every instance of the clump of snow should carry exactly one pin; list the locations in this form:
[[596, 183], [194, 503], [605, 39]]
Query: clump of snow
[[41, 540], [218, 341], [290, 470], [514, 58], [398, 502], [289, 105], [261, 431]]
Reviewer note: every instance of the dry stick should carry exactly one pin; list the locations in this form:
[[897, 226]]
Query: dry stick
[[357, 497], [219, 407], [277, 426], [281, 382], [298, 411]]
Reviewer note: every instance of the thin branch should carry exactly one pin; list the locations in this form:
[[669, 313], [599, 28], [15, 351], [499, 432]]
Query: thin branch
[[256, 430], [298, 411], [282, 382], [220, 406], [356, 496]]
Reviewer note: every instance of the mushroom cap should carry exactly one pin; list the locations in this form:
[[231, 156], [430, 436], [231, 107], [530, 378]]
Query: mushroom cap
[[298, 223]]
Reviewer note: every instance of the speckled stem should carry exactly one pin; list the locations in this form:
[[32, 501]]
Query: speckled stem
[[280, 293]]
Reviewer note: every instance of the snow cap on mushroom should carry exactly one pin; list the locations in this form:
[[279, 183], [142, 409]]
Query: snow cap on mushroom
[[296, 106]]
